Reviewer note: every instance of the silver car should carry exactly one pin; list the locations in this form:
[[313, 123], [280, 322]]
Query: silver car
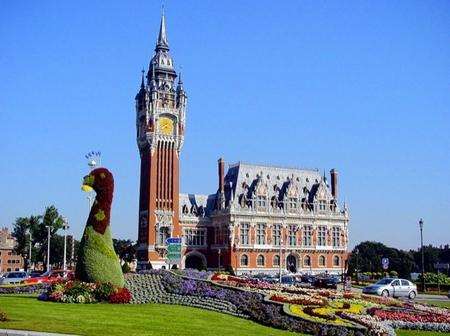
[[13, 278], [392, 287]]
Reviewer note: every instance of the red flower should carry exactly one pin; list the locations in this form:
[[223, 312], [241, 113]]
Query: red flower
[[122, 295]]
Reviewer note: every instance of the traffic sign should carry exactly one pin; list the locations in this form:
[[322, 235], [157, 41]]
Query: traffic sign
[[173, 240], [385, 263], [173, 250]]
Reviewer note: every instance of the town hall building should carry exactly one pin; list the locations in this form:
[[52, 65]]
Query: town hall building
[[261, 219]]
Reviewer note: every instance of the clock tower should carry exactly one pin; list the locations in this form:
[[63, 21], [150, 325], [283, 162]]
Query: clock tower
[[160, 121]]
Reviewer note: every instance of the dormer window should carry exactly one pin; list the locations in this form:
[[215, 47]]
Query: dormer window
[[292, 202], [322, 205], [261, 201]]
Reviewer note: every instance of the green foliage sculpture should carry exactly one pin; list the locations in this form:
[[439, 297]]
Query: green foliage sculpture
[[97, 260]]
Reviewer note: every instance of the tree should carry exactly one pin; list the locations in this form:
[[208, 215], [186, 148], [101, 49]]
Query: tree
[[125, 249], [371, 253], [50, 218], [20, 228]]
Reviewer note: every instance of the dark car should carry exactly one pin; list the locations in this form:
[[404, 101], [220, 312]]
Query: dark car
[[328, 282], [308, 278]]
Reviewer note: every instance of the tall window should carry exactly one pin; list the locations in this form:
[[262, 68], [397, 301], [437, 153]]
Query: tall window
[[307, 235], [322, 205], [292, 235], [163, 235], [194, 237], [245, 229], [260, 260], [307, 261], [336, 261], [221, 236], [321, 236], [292, 202], [244, 260], [276, 260], [261, 201], [276, 234], [261, 234], [322, 260], [336, 234]]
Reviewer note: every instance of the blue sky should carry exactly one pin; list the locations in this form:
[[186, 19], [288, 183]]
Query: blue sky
[[358, 86]]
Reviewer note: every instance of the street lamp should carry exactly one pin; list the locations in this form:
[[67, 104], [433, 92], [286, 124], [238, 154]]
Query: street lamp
[[423, 258], [281, 251], [65, 228], [219, 252], [357, 265], [29, 254], [48, 247]]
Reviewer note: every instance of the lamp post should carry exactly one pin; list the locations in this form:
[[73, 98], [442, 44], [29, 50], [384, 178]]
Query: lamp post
[[281, 259], [219, 252], [357, 265], [48, 247], [28, 232], [423, 258], [65, 228]]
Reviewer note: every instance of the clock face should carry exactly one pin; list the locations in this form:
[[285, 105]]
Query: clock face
[[165, 125]]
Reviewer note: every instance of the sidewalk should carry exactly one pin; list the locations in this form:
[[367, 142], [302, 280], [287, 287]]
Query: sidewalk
[[11, 332]]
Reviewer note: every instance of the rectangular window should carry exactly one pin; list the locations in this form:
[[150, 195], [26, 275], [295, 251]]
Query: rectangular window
[[194, 237], [307, 235], [245, 230], [261, 201], [322, 205], [293, 202], [261, 234], [336, 235], [276, 234], [321, 236], [292, 235]]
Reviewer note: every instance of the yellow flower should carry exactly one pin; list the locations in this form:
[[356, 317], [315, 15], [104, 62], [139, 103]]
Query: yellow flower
[[100, 215]]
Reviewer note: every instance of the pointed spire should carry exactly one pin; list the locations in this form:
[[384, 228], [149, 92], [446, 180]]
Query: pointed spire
[[142, 81], [162, 37]]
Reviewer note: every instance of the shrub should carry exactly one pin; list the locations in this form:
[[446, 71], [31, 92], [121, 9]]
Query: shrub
[[122, 295], [393, 274], [126, 268], [103, 291], [3, 316]]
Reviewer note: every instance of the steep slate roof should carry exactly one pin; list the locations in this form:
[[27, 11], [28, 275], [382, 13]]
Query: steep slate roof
[[242, 178], [202, 204]]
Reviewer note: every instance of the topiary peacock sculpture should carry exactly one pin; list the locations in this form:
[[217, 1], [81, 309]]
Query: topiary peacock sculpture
[[97, 260]]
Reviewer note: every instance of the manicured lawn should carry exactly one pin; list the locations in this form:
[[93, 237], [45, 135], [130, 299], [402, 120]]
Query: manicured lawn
[[443, 304], [27, 313]]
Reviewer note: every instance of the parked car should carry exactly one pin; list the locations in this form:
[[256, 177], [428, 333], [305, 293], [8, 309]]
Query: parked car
[[308, 278], [35, 274], [326, 282], [392, 287], [50, 277], [288, 280], [11, 278]]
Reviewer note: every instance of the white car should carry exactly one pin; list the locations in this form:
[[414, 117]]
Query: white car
[[392, 287], [11, 278]]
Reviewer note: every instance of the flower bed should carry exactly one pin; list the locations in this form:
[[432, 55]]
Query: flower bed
[[84, 292], [409, 316], [166, 287], [299, 299], [23, 289]]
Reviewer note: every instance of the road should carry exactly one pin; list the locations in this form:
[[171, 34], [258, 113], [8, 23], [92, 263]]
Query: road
[[420, 297]]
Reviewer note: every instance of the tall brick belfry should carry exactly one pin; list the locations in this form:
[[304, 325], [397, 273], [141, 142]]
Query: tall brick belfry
[[160, 121]]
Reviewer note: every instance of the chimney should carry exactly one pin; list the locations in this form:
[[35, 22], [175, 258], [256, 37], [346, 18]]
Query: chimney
[[334, 183], [220, 166]]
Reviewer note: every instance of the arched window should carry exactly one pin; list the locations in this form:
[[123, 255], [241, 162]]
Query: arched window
[[307, 261], [321, 260], [244, 260], [336, 261], [260, 260], [276, 260]]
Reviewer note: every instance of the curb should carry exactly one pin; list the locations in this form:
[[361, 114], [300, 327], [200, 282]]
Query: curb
[[11, 332]]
